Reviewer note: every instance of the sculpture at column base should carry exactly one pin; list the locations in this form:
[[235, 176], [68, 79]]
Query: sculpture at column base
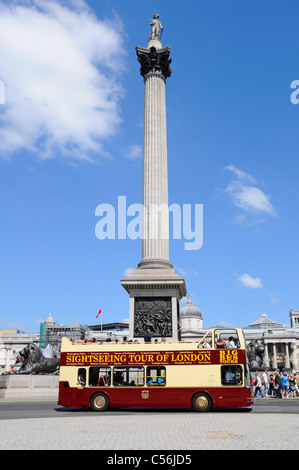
[[154, 301]]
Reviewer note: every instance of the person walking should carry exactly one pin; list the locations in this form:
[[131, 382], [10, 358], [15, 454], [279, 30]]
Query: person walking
[[271, 386], [258, 386], [292, 388], [277, 384], [266, 382], [285, 385], [296, 383]]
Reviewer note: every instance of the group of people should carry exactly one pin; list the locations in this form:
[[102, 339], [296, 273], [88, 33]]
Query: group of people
[[221, 344], [148, 338], [278, 384]]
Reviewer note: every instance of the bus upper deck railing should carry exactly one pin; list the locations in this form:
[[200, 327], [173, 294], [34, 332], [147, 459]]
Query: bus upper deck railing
[[214, 338]]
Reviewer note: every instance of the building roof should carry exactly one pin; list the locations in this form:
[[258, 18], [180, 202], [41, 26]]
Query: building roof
[[190, 310], [50, 320], [265, 323], [109, 326]]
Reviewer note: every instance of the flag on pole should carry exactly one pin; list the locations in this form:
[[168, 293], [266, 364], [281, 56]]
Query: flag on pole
[[100, 311]]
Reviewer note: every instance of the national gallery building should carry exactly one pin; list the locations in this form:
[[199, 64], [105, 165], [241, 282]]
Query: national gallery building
[[281, 343]]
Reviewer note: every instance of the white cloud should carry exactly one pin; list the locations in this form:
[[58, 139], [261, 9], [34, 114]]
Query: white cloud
[[183, 272], [248, 281], [240, 174], [134, 152], [274, 298], [250, 198], [246, 195], [127, 272], [59, 64]]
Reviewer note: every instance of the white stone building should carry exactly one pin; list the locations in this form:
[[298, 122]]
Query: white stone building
[[190, 322], [281, 342], [11, 343]]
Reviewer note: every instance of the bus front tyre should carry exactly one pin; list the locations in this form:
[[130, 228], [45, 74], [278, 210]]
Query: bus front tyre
[[99, 402], [201, 402]]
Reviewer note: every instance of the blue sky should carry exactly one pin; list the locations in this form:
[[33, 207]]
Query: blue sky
[[71, 135]]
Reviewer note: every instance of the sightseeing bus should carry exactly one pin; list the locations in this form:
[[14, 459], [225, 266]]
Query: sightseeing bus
[[212, 373]]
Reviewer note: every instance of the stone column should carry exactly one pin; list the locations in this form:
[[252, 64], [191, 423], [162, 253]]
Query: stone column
[[155, 68], [294, 355], [266, 355], [155, 288], [274, 356], [287, 356]]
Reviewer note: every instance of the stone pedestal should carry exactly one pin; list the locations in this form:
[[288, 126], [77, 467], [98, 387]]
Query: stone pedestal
[[155, 288], [23, 387], [154, 302]]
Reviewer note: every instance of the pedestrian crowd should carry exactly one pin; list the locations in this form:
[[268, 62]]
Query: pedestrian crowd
[[277, 385]]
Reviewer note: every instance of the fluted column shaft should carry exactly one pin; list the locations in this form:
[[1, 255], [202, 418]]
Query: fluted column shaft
[[155, 68], [155, 243]]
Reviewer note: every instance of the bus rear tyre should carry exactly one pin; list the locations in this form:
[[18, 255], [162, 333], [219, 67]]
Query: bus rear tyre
[[99, 402], [201, 402]]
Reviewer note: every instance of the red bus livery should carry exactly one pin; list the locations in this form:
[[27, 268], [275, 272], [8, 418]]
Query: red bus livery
[[211, 373]]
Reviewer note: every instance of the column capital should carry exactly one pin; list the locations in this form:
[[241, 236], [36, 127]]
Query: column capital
[[154, 60]]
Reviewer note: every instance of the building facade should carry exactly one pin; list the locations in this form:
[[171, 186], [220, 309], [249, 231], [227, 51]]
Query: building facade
[[281, 342], [11, 343]]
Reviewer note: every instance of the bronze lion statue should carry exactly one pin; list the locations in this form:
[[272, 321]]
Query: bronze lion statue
[[255, 353], [33, 361]]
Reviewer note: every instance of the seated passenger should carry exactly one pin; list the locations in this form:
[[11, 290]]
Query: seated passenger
[[232, 343], [81, 379], [229, 376], [220, 344]]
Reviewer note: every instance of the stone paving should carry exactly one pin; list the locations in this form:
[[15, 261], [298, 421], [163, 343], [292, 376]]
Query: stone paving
[[163, 431]]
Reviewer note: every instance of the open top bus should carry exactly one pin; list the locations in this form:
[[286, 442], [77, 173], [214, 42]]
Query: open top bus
[[211, 373]]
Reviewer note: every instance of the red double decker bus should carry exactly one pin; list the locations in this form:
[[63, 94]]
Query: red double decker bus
[[210, 374]]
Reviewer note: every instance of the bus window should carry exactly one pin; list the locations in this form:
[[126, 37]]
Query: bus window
[[247, 376], [206, 341], [156, 376], [82, 377], [226, 339], [128, 376], [231, 375], [99, 376]]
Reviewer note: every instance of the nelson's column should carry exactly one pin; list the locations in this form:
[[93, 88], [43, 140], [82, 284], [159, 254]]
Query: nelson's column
[[155, 288]]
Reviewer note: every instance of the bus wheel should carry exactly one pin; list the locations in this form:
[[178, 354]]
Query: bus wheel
[[99, 402], [201, 402]]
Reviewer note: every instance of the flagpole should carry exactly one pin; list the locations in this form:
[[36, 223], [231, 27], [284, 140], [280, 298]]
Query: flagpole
[[101, 322]]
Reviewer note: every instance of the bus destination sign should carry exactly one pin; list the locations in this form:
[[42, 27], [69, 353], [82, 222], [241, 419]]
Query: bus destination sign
[[224, 356]]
